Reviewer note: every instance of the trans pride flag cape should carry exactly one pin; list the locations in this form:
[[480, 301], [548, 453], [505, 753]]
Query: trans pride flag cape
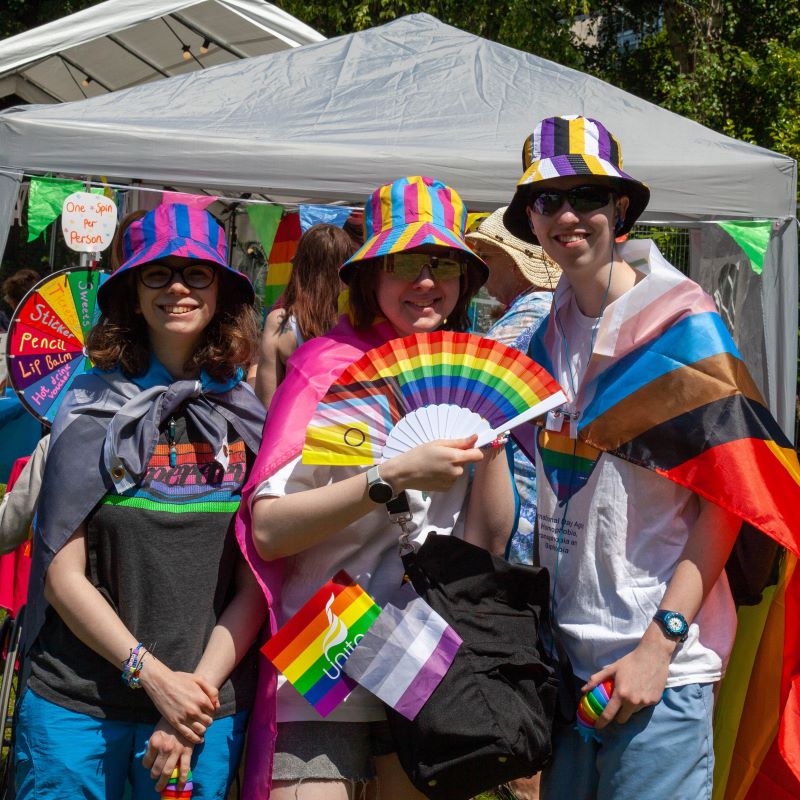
[[310, 372], [666, 388]]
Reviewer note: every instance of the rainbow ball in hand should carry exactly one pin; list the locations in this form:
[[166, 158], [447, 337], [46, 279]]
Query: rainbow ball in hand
[[171, 792], [591, 706]]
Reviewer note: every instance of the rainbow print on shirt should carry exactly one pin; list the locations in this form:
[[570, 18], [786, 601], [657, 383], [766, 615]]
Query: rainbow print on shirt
[[313, 646], [567, 463], [197, 483]]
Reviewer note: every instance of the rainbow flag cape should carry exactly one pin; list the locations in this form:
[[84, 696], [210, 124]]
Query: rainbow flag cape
[[666, 388], [312, 647], [280, 258]]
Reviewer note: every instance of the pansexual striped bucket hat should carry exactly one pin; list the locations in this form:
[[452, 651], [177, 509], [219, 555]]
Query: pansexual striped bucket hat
[[408, 213], [173, 229], [561, 147]]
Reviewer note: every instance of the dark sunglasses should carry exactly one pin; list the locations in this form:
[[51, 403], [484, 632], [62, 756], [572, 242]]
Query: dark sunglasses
[[587, 197], [407, 266], [195, 276]]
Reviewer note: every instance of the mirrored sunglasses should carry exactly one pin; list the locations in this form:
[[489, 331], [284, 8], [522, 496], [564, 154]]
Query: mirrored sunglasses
[[583, 198], [195, 276], [407, 266]]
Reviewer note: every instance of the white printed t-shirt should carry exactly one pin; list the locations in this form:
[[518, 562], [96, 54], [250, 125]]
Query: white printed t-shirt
[[613, 543], [367, 550]]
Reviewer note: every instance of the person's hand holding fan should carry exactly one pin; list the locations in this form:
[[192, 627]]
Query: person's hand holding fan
[[424, 387]]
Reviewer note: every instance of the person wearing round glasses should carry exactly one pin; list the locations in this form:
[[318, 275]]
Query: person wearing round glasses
[[142, 613], [638, 589], [414, 274]]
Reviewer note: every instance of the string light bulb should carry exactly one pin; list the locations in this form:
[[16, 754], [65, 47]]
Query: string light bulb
[[187, 52], [204, 47], [86, 81]]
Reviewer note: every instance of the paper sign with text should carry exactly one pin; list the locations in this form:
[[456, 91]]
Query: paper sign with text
[[88, 222]]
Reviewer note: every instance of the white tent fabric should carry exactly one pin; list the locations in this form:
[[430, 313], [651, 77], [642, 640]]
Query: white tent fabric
[[122, 43], [333, 120]]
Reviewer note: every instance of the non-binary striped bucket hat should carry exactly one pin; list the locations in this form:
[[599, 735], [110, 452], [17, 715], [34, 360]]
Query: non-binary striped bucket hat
[[565, 146], [174, 229], [408, 213]]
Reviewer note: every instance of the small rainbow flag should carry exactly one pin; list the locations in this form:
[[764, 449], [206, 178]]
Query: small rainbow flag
[[313, 646], [283, 249]]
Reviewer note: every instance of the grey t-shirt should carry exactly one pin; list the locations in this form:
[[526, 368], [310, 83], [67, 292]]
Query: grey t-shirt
[[163, 555]]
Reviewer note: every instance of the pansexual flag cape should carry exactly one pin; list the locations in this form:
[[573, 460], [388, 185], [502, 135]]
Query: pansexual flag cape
[[310, 371], [666, 388], [312, 647]]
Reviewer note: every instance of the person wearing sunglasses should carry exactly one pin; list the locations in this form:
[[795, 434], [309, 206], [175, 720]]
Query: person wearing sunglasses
[[414, 274], [142, 613], [638, 589]]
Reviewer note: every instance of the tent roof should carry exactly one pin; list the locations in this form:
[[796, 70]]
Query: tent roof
[[333, 120], [122, 43]]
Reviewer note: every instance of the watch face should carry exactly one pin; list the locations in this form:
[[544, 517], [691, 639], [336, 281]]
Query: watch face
[[380, 492], [675, 624]]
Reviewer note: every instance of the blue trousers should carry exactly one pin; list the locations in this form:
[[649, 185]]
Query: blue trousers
[[663, 752], [62, 753]]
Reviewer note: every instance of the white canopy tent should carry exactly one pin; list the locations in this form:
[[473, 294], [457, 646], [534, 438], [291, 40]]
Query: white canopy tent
[[333, 120], [122, 43]]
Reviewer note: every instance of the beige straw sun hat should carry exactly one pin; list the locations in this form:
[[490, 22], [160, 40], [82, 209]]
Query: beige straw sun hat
[[535, 265]]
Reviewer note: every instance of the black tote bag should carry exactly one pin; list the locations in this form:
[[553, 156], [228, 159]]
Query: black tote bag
[[490, 719]]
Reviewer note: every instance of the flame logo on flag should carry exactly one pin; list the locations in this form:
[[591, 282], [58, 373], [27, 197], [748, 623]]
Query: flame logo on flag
[[336, 633]]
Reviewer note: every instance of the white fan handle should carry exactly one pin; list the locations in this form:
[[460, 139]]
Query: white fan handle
[[540, 408]]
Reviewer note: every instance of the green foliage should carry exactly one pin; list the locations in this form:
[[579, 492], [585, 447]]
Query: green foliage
[[22, 15], [733, 65], [538, 26]]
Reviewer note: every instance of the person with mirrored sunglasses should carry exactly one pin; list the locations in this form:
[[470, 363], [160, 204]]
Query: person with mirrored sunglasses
[[445, 266], [414, 274], [636, 553], [142, 613]]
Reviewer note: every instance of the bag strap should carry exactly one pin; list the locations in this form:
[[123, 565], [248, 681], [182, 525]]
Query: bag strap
[[399, 513]]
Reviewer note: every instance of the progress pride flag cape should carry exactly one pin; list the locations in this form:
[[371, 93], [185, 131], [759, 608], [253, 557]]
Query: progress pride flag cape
[[666, 388], [310, 372]]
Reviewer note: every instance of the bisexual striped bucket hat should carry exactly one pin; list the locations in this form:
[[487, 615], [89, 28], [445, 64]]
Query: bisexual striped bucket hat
[[173, 229], [408, 213], [561, 147]]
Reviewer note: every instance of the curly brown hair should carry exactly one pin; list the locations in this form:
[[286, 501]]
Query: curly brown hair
[[120, 338], [363, 299], [18, 285]]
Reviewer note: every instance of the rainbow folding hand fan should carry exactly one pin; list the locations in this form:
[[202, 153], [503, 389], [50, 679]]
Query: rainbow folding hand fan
[[410, 391]]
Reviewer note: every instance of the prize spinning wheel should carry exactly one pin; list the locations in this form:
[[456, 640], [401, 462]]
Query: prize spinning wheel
[[45, 343]]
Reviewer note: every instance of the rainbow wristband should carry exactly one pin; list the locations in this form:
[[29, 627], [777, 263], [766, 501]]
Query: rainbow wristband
[[132, 667]]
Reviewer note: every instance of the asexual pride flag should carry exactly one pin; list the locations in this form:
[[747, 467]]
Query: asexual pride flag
[[312, 647], [406, 653]]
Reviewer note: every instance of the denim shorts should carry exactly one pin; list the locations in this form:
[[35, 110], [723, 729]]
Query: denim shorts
[[62, 753], [329, 750], [663, 752]]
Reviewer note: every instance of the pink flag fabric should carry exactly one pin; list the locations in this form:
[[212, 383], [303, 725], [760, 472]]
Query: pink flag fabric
[[194, 200]]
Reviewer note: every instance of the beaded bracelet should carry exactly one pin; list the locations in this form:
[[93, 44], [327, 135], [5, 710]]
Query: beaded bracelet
[[132, 667]]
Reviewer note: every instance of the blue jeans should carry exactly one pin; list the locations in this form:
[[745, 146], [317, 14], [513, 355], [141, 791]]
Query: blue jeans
[[663, 752], [62, 753]]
